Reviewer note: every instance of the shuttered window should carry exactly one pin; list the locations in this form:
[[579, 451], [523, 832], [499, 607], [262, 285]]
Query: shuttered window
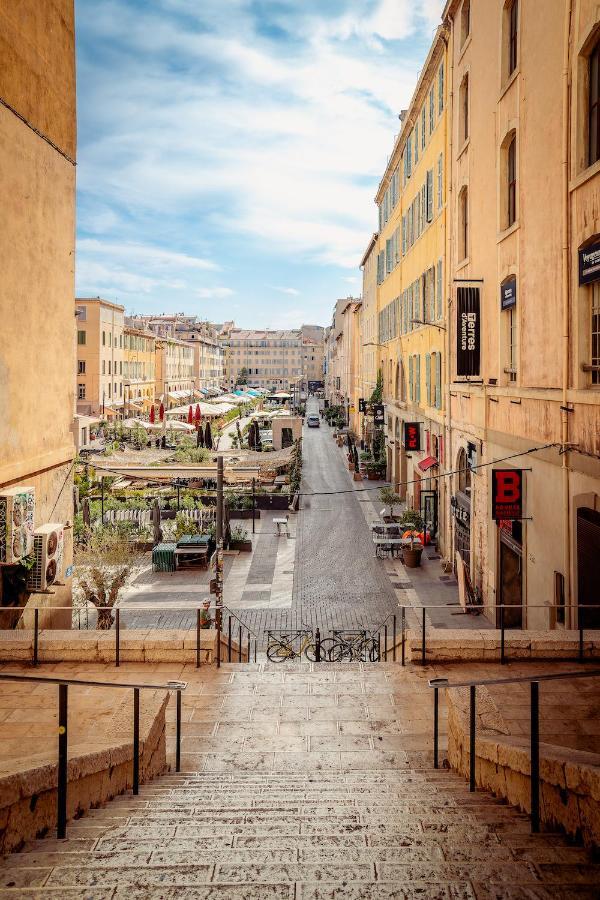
[[429, 190], [411, 379], [428, 377], [438, 380]]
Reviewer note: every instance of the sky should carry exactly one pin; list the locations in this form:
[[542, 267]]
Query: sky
[[229, 151]]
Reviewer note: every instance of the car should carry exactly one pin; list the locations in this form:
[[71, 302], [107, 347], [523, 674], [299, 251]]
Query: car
[[313, 421]]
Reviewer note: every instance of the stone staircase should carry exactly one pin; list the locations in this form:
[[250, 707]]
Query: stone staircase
[[368, 824]]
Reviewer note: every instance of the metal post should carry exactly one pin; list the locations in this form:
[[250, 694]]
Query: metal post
[[403, 627], [581, 654], [240, 643], [378, 646], [248, 649], [219, 540], [136, 740], [253, 504], [435, 726], [472, 738], [318, 645], [394, 638], [178, 735], [229, 640], [198, 614], [535, 756], [385, 642], [117, 638], [102, 497], [61, 797], [502, 655], [255, 650], [423, 639], [218, 644], [36, 621], [177, 496]]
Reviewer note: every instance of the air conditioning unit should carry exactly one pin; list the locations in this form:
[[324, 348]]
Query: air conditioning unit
[[48, 550], [17, 509]]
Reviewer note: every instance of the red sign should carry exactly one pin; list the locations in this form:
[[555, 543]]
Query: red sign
[[412, 436], [507, 494]]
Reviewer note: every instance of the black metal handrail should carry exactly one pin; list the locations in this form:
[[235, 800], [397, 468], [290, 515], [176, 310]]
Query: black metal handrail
[[534, 715], [63, 729]]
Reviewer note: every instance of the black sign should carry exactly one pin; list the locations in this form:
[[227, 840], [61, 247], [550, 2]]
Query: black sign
[[589, 264], [507, 494], [508, 293], [460, 512], [412, 436], [467, 331], [362, 406], [379, 414]]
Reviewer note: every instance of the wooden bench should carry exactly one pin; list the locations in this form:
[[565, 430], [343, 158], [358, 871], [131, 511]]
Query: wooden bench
[[282, 521]]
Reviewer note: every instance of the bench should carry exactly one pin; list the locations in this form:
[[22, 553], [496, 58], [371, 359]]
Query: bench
[[282, 521]]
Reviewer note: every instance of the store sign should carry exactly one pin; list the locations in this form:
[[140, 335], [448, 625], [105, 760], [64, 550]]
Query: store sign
[[459, 512], [362, 406], [507, 494], [589, 264], [508, 293], [412, 436], [379, 414], [468, 327]]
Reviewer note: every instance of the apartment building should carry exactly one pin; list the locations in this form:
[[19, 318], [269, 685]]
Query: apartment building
[[313, 350], [37, 245], [100, 327], [411, 311], [368, 359], [524, 287], [209, 370], [139, 368], [267, 359], [174, 372]]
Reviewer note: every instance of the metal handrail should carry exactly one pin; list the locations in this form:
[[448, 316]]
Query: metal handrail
[[534, 716], [63, 725]]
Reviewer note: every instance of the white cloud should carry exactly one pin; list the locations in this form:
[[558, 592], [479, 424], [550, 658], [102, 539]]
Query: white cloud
[[216, 292], [287, 290]]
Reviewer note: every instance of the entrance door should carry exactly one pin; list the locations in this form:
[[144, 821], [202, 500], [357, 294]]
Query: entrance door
[[588, 565], [429, 511], [511, 583]]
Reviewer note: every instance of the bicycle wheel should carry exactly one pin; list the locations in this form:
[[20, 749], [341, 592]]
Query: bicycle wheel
[[311, 650], [374, 652], [340, 652], [279, 652]]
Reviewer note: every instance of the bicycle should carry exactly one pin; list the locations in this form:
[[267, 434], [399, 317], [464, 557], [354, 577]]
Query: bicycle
[[285, 645], [353, 646]]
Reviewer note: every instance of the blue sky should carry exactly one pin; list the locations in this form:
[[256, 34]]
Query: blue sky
[[229, 150]]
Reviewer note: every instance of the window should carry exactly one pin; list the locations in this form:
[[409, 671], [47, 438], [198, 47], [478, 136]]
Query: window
[[416, 141], [511, 181], [418, 378], [438, 383], [513, 34], [429, 195], [464, 109], [428, 377], [109, 388], [595, 333], [104, 367], [103, 338], [463, 213], [439, 290], [431, 111], [465, 21], [81, 391], [81, 338], [423, 135], [109, 367], [594, 105], [512, 344], [440, 181], [441, 89], [81, 367]]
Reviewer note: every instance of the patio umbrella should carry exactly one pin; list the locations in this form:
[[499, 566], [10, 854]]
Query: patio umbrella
[[198, 415], [200, 437], [252, 435], [156, 530], [208, 443], [152, 415], [190, 415]]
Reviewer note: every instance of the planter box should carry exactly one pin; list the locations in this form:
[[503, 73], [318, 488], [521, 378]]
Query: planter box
[[374, 476], [243, 546], [243, 513], [272, 501]]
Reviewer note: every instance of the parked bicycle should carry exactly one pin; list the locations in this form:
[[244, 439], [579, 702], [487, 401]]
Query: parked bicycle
[[285, 645], [353, 646]]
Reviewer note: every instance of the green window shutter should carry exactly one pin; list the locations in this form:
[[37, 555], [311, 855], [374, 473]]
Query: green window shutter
[[411, 382], [438, 380], [418, 378], [428, 377]]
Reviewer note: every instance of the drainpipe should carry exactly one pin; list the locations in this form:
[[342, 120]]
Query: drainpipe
[[449, 39], [566, 304]]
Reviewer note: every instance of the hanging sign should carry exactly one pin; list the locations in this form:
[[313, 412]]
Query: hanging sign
[[508, 293], [379, 414], [362, 406], [412, 436], [468, 349], [589, 264], [507, 494]]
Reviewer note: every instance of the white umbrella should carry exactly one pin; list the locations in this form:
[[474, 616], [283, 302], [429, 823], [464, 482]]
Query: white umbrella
[[133, 423]]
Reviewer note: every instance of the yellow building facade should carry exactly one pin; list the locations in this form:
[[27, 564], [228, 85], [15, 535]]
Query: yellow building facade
[[410, 272], [139, 370]]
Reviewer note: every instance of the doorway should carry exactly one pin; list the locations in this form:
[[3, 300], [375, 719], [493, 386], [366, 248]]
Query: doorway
[[511, 581], [588, 566]]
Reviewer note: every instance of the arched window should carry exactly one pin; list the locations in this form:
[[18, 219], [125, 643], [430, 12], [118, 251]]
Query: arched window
[[463, 109], [465, 21], [594, 105], [512, 36]]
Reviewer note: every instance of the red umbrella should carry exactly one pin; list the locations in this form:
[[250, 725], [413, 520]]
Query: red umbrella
[[198, 415], [152, 415], [161, 412], [190, 415]]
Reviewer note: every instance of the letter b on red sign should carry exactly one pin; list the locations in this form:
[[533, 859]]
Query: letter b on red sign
[[507, 493]]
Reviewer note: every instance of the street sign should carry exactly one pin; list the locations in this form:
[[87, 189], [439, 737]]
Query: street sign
[[412, 436], [68, 571], [362, 406], [467, 332], [507, 494], [379, 414]]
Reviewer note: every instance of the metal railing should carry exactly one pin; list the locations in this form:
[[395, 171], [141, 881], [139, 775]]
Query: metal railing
[[245, 636], [63, 729], [534, 715]]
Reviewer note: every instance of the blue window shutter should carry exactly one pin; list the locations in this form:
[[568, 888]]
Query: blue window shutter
[[418, 377], [428, 377], [411, 387], [438, 380]]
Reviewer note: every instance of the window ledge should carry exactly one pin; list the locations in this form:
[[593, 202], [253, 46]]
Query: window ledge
[[585, 175], [509, 83], [465, 46], [507, 232], [463, 262], [464, 147]]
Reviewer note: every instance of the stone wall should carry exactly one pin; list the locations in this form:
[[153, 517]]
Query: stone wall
[[28, 800], [569, 779], [458, 645]]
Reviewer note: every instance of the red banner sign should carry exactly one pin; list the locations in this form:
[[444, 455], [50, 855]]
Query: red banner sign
[[507, 494], [412, 436]]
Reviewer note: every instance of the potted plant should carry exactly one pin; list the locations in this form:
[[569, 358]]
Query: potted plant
[[414, 525], [389, 498], [239, 540]]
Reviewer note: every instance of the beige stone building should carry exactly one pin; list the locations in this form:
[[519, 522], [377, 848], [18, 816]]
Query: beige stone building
[[139, 369], [271, 359], [208, 355], [524, 289], [99, 366], [174, 372], [37, 246], [342, 358]]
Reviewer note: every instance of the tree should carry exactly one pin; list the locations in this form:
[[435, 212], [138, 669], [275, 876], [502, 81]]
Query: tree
[[390, 498], [377, 395], [108, 562], [242, 376]]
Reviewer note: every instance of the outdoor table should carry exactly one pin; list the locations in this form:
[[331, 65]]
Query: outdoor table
[[193, 540], [192, 555], [388, 543], [163, 557]]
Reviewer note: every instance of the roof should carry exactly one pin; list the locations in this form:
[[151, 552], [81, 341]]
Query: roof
[[367, 252]]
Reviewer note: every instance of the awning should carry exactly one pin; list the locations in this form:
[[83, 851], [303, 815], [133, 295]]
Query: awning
[[428, 463]]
